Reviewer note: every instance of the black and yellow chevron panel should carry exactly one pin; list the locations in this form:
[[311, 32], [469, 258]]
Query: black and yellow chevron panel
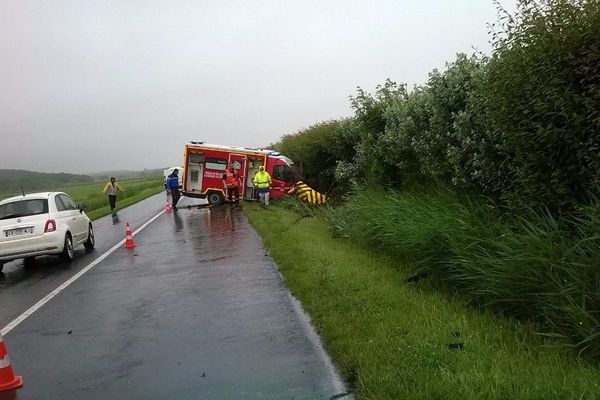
[[308, 194]]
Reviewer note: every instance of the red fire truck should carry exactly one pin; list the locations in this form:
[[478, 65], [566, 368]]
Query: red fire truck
[[205, 164]]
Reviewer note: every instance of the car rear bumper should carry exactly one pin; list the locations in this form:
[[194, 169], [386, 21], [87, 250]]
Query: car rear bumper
[[49, 243]]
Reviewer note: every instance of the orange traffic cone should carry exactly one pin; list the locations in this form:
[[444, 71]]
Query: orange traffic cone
[[168, 208], [8, 380], [129, 242]]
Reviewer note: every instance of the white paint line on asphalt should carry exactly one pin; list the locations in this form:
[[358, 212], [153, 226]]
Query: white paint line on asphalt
[[13, 324]]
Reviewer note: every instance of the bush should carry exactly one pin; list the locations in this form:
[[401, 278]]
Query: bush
[[542, 95], [433, 133], [371, 120], [539, 268], [521, 128], [314, 151]]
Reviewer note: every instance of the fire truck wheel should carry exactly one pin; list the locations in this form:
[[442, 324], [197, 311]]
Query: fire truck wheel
[[215, 198]]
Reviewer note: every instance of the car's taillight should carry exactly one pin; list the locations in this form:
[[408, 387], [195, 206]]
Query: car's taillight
[[50, 226]]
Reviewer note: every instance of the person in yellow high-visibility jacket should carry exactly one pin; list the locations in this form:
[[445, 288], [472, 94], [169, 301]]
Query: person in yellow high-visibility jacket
[[262, 180], [112, 187]]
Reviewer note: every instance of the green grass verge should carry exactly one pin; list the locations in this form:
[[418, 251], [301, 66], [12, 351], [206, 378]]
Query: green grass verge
[[534, 267], [391, 339], [97, 202]]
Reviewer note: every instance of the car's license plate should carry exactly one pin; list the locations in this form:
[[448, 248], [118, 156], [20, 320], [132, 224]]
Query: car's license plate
[[18, 231]]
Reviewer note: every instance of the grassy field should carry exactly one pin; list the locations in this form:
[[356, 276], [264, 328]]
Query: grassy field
[[97, 202], [394, 340]]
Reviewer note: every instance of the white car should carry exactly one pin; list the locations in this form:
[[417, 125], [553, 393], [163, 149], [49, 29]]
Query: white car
[[41, 224]]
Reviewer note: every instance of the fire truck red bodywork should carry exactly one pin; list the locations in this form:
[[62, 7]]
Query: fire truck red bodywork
[[205, 164]]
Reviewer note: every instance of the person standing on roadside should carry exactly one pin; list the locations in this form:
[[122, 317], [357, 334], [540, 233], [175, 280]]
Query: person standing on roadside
[[231, 182], [262, 180], [112, 187], [173, 186]]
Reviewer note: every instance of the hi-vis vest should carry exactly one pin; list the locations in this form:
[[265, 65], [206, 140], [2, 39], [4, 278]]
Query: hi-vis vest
[[307, 194], [230, 179], [262, 180], [112, 189]]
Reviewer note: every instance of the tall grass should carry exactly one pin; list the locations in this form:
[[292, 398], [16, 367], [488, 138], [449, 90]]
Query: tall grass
[[538, 268], [397, 341]]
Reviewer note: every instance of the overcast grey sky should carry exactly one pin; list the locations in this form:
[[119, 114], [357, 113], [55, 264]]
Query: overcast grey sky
[[102, 85]]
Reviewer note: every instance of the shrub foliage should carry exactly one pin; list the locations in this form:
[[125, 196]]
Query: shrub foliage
[[520, 127]]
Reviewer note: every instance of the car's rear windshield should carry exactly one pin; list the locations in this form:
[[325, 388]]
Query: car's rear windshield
[[23, 208]]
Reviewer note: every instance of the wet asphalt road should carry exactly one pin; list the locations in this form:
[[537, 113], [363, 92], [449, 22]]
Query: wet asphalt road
[[196, 311], [21, 287]]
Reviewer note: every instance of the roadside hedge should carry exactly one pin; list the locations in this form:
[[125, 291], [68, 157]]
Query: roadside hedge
[[520, 126], [518, 130]]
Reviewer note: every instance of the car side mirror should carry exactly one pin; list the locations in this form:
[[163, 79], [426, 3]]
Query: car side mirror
[[81, 206]]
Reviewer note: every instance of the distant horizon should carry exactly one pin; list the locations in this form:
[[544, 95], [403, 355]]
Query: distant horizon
[[86, 173]]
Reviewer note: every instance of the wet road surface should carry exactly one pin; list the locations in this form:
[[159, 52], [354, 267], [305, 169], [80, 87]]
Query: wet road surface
[[21, 287], [196, 311]]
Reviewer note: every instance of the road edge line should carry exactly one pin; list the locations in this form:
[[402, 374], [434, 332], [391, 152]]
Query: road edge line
[[15, 322]]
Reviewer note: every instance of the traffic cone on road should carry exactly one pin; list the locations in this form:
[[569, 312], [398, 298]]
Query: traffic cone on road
[[8, 380], [168, 208], [129, 242]]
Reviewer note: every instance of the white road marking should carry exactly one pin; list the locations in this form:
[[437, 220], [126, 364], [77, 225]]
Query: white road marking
[[14, 323]]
